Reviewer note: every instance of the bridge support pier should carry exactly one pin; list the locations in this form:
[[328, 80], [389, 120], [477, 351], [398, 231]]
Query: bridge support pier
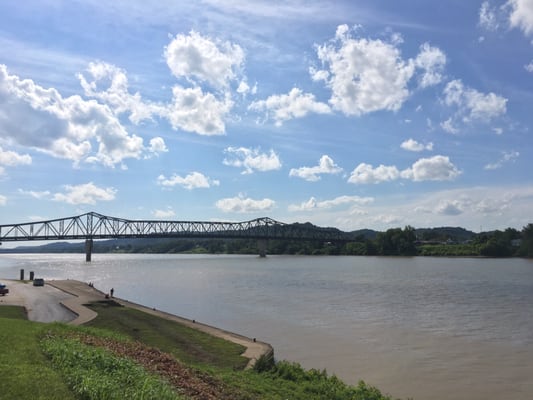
[[88, 249], [262, 246]]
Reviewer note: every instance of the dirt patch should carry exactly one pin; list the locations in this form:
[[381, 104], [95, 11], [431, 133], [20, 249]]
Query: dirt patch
[[195, 384]]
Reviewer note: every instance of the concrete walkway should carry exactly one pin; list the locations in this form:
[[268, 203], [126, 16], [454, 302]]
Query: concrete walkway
[[83, 294]]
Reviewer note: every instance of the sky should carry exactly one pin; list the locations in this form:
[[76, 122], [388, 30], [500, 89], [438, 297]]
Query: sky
[[352, 114]]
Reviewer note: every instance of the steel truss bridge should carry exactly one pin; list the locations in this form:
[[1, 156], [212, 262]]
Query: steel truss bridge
[[92, 226]]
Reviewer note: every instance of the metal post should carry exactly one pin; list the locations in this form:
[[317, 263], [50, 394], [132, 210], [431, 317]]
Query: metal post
[[88, 249]]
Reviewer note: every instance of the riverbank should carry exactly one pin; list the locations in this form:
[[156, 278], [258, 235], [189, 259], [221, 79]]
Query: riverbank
[[129, 338], [80, 293], [85, 294]]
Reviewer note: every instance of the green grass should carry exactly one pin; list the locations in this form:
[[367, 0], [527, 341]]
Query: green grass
[[288, 380], [25, 373], [93, 373], [188, 345], [13, 312]]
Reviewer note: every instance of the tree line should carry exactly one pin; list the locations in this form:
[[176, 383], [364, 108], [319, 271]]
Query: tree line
[[405, 241]]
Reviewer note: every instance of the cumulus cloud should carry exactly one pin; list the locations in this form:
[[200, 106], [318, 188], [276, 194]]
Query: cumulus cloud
[[87, 193], [313, 204], [471, 105], [240, 204], [521, 15], [3, 200], [11, 158], [367, 75], [206, 66], [194, 110], [191, 109], [109, 84], [436, 168], [194, 180], [157, 146], [325, 166], [285, 107], [366, 173], [507, 156], [432, 61], [164, 214], [251, 159], [413, 145], [70, 128], [202, 59]]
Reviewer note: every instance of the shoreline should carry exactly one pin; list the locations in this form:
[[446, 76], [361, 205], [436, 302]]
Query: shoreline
[[82, 294]]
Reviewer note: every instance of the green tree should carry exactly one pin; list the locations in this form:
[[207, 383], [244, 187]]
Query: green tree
[[526, 247], [397, 242]]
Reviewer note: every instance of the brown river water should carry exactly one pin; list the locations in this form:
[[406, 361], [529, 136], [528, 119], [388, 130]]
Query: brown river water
[[422, 328]]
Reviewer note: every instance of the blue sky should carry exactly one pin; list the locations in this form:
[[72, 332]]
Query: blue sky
[[355, 114]]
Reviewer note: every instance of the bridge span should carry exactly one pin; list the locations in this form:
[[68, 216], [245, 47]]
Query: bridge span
[[91, 226]]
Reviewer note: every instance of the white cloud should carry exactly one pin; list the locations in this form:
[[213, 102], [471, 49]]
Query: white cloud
[[251, 159], [495, 207], [432, 61], [191, 109], [87, 193], [436, 168], [194, 110], [367, 75], [325, 166], [413, 145], [35, 194], [194, 180], [313, 204], [157, 146], [449, 126], [201, 59], [364, 75], [449, 207], [471, 105], [240, 204], [244, 88], [109, 84], [70, 128], [11, 158], [285, 107], [529, 67], [366, 174], [164, 214], [521, 15], [3, 200], [507, 156], [488, 17]]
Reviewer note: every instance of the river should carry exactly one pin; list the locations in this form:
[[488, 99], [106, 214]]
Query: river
[[424, 328]]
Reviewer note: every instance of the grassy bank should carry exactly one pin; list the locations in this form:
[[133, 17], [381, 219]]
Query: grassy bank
[[130, 354]]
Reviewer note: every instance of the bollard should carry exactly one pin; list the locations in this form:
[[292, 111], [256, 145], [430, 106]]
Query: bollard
[[22, 274], [31, 275]]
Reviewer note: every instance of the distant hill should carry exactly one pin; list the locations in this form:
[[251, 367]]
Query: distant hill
[[443, 234]]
